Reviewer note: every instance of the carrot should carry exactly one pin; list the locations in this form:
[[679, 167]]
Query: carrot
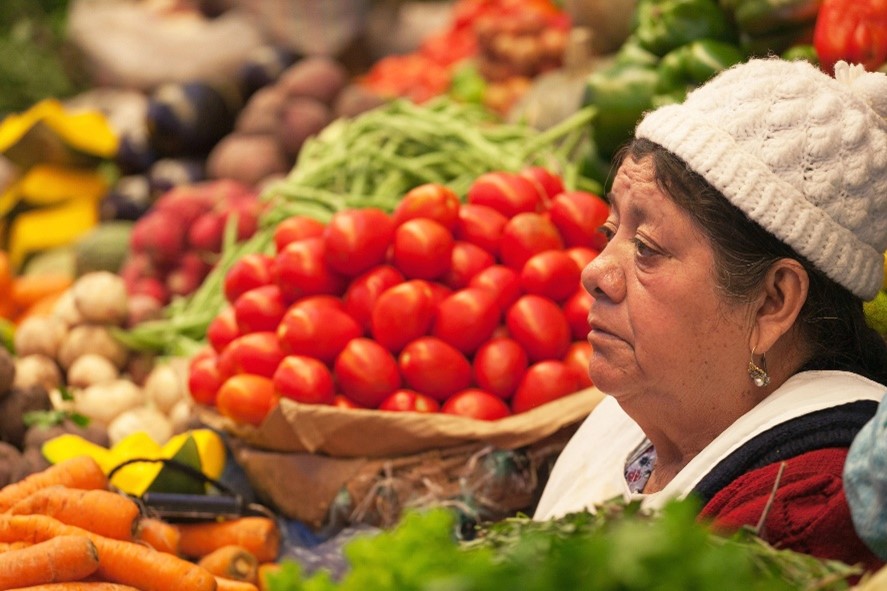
[[78, 472], [158, 534], [223, 584], [78, 586], [59, 559], [100, 511], [27, 290], [259, 535], [7, 546], [120, 561], [231, 562]]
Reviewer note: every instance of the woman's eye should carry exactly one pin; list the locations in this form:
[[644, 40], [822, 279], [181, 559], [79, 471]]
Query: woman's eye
[[607, 231], [643, 249]]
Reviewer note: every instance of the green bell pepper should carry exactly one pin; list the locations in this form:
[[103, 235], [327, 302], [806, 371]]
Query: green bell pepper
[[621, 93], [765, 17], [688, 66], [663, 25]]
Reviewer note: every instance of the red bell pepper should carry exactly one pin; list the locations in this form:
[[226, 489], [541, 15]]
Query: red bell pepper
[[851, 30]]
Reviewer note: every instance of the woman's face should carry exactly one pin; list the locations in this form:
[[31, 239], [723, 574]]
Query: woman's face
[[658, 324]]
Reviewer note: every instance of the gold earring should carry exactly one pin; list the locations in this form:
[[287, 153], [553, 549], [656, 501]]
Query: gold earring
[[758, 373]]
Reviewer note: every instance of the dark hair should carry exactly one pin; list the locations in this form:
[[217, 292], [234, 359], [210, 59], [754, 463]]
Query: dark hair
[[832, 318]]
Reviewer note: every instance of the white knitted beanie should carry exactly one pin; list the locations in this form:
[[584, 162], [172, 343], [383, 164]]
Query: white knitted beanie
[[801, 153]]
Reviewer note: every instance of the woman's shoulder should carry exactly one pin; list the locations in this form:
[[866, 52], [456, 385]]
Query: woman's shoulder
[[797, 503]]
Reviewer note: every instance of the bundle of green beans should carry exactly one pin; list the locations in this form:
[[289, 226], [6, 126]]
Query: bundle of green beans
[[372, 160]]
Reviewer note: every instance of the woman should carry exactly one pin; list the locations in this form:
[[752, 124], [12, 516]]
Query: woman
[[747, 226]]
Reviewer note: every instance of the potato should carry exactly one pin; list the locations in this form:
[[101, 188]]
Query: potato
[[11, 464], [41, 335], [101, 298], [262, 112], [103, 403], [302, 118], [248, 158], [90, 369], [356, 99], [13, 409], [7, 371], [37, 370], [318, 77], [91, 338]]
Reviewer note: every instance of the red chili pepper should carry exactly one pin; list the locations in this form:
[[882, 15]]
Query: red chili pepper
[[851, 30]]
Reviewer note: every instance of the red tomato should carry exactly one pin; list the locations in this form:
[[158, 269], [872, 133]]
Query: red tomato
[[222, 329], [204, 380], [301, 270], [468, 260], [304, 379], [544, 381], [248, 272], [476, 404], [319, 331], [296, 228], [467, 319], [246, 398], [432, 367], [432, 201], [576, 309], [256, 353], [577, 358], [582, 255], [259, 309], [502, 281], [499, 365], [480, 225], [506, 192], [342, 401], [320, 301], [402, 313], [409, 400], [357, 240], [578, 216], [546, 182], [527, 234], [552, 274], [851, 30], [364, 291], [366, 372], [422, 249], [538, 324]]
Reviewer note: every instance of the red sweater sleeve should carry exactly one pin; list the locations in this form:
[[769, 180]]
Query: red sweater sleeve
[[809, 512]]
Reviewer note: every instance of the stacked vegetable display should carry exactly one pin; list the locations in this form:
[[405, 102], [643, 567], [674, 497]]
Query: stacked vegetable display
[[472, 308]]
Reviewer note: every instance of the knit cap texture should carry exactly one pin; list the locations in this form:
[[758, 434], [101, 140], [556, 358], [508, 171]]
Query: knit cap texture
[[799, 152]]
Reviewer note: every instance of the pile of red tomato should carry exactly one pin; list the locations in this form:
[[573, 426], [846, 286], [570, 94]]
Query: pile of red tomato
[[470, 307]]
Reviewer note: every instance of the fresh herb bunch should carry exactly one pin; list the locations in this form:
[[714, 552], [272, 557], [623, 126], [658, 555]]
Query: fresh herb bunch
[[617, 548]]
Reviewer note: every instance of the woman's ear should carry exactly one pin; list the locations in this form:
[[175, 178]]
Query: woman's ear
[[784, 293]]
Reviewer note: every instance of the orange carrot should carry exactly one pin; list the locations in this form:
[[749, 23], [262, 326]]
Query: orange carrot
[[259, 535], [27, 290], [78, 472], [223, 584], [59, 559], [7, 546], [158, 534], [120, 561], [231, 562], [78, 586], [100, 511]]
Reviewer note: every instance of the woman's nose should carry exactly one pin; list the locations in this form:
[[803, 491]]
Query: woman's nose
[[603, 277]]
